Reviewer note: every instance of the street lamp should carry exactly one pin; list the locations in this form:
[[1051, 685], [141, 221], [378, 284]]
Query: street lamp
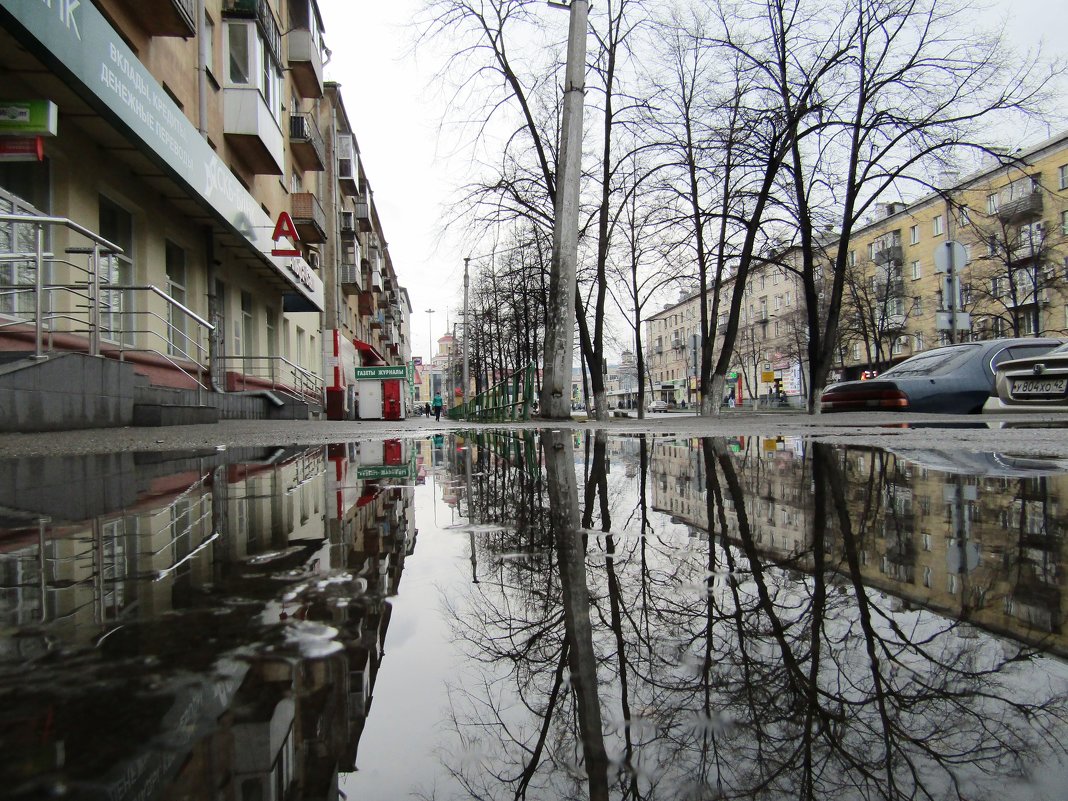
[[430, 346]]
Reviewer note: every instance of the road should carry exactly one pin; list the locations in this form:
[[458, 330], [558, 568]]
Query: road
[[1046, 435]]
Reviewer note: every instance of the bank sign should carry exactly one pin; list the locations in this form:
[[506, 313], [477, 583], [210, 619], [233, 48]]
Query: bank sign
[[74, 34]]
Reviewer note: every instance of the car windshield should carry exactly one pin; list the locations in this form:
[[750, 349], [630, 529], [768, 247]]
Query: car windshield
[[936, 362]]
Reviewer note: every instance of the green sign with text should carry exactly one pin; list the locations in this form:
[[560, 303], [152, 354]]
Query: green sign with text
[[28, 117], [390, 371], [383, 471]]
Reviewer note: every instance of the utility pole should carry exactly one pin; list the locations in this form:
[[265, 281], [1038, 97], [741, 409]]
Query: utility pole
[[430, 346], [467, 335], [559, 334]]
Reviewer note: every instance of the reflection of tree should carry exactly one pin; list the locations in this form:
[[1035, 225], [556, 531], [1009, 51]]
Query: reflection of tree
[[651, 662]]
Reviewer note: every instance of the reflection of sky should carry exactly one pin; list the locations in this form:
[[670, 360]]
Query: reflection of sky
[[409, 726], [396, 756]]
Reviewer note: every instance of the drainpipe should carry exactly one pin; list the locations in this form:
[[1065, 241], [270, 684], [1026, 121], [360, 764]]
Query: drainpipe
[[215, 337], [202, 70]]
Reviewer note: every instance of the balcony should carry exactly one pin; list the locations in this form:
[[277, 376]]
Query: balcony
[[348, 166], [164, 17], [350, 278], [252, 131], [1021, 208], [366, 303], [378, 320], [307, 143], [363, 213], [305, 48], [260, 11], [308, 216], [891, 254]]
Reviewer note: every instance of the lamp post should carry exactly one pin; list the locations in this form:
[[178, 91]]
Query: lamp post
[[430, 347]]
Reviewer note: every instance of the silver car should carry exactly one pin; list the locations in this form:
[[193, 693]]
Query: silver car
[[1034, 384]]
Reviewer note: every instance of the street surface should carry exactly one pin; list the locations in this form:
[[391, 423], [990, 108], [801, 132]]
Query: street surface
[[1031, 435]]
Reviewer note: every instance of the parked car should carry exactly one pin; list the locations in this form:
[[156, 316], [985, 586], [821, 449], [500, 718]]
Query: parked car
[[1033, 384], [956, 379], [658, 406]]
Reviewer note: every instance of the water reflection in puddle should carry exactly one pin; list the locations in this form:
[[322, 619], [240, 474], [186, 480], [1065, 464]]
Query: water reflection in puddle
[[538, 616]]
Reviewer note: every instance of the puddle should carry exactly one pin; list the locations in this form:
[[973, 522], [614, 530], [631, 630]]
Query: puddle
[[540, 615]]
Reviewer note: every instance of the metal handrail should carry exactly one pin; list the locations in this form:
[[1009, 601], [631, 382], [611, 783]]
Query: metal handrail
[[508, 400], [306, 384]]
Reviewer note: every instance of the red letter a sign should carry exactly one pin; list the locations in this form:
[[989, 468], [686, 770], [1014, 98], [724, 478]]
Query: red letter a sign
[[284, 227]]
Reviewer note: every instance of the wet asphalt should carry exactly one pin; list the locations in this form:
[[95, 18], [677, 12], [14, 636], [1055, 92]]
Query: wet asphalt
[[1030, 435]]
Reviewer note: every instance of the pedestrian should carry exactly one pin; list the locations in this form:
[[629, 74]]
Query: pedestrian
[[426, 409], [438, 403]]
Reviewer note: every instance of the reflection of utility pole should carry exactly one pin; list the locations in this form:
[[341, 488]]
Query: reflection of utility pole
[[470, 514], [559, 333]]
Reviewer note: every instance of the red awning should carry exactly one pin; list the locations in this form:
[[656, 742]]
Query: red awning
[[371, 357]]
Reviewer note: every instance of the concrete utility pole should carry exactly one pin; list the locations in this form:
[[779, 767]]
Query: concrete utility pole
[[559, 334]]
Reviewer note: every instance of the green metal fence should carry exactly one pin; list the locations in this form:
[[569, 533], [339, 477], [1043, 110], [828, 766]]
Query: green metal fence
[[509, 400]]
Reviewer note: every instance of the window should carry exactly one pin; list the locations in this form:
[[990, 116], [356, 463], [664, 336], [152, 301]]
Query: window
[[247, 332], [964, 218], [856, 351], [778, 302], [116, 225], [992, 203], [1062, 176], [938, 226], [917, 305], [296, 182], [272, 332], [209, 40], [917, 343], [177, 339], [240, 55], [786, 297], [852, 258], [1064, 223], [914, 234], [916, 271]]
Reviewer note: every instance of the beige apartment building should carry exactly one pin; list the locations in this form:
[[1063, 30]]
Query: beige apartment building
[[203, 215], [1011, 280], [1013, 225]]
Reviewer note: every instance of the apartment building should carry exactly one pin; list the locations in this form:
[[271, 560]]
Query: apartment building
[[1012, 222], [201, 209]]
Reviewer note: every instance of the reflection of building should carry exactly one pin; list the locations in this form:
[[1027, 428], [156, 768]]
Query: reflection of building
[[985, 547], [187, 597]]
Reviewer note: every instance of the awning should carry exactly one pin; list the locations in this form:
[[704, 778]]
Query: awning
[[369, 355]]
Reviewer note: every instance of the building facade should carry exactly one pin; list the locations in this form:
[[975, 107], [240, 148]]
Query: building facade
[[208, 218]]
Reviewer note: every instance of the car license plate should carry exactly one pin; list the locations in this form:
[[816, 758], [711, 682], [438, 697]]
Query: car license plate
[[1039, 386]]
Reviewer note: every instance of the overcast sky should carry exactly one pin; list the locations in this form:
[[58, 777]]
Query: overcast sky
[[395, 115]]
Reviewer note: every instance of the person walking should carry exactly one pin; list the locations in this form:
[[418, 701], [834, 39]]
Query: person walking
[[437, 406], [426, 409]]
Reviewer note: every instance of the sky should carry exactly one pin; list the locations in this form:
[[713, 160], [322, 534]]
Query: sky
[[395, 110]]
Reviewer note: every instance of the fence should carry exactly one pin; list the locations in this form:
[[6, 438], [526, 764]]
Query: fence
[[508, 400]]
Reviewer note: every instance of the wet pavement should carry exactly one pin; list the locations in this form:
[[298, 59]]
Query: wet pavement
[[540, 614]]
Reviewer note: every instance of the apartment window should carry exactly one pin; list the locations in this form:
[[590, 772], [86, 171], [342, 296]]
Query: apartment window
[[272, 332], [938, 226], [916, 271], [177, 339], [778, 331], [1064, 223], [917, 306], [296, 182], [1062, 176], [914, 234], [852, 258], [917, 342], [871, 251], [965, 218], [209, 39], [778, 302], [786, 298], [247, 331], [856, 351], [116, 225], [995, 287], [237, 34]]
